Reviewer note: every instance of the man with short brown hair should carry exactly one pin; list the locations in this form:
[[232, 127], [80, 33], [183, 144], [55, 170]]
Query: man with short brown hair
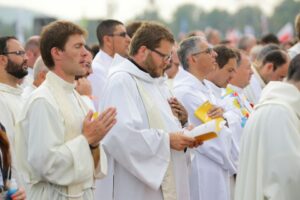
[[147, 143], [58, 143]]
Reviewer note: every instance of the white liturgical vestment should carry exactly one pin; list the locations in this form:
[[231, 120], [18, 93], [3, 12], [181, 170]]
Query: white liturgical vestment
[[269, 166], [214, 162], [141, 154], [10, 105], [101, 65], [53, 155], [253, 90]]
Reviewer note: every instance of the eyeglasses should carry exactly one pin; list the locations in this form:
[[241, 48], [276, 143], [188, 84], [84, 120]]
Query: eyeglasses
[[209, 50], [122, 34], [165, 57], [18, 53]]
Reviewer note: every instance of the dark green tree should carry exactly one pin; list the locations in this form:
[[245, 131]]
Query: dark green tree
[[283, 13], [249, 15], [218, 19], [185, 19]]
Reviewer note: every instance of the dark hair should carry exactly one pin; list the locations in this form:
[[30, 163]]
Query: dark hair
[[95, 49], [265, 50], [106, 27], [150, 34], [3, 43], [56, 34], [132, 27], [5, 150], [269, 38], [224, 55], [88, 48], [294, 69], [277, 57]]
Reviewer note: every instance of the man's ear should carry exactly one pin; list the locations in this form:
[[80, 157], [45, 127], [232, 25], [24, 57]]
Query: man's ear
[[56, 53], [144, 51], [191, 59], [107, 40], [3, 60], [269, 66]]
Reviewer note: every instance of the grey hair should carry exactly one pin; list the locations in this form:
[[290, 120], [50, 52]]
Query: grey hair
[[38, 67], [187, 47], [245, 42]]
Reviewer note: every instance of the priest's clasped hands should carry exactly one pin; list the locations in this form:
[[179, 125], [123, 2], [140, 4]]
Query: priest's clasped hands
[[94, 129]]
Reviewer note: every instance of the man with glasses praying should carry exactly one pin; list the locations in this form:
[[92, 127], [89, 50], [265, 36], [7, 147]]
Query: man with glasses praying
[[13, 67], [113, 39], [147, 143], [213, 164]]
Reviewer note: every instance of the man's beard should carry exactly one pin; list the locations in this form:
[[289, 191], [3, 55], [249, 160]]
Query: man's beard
[[16, 70], [151, 67]]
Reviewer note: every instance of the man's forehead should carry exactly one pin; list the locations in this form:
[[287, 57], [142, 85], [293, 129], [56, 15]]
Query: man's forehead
[[13, 43], [203, 45], [76, 38], [119, 27]]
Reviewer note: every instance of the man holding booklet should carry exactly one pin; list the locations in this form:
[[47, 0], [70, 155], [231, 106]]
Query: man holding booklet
[[213, 162]]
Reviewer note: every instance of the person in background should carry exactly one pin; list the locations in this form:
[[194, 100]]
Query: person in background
[[6, 165], [32, 49], [270, 155], [39, 75]]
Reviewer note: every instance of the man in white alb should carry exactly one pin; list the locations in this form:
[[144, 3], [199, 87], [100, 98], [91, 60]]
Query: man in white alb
[[113, 39], [147, 142], [213, 162], [13, 67], [57, 144], [270, 155], [271, 65]]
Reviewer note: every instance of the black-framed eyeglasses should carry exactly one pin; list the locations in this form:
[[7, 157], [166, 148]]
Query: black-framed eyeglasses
[[18, 53], [122, 34], [209, 50], [165, 57]]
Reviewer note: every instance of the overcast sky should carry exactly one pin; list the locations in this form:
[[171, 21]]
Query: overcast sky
[[126, 9]]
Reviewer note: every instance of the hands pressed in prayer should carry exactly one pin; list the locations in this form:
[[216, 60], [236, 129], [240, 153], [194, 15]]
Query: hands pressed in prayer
[[215, 112], [178, 110], [179, 141], [95, 129], [84, 87], [19, 195]]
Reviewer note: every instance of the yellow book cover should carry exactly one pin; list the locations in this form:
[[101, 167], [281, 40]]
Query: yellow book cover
[[201, 112]]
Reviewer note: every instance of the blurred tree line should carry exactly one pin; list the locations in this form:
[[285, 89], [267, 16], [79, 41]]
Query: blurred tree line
[[189, 17]]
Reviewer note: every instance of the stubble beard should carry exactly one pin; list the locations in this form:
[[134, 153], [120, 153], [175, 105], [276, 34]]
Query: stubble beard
[[151, 67]]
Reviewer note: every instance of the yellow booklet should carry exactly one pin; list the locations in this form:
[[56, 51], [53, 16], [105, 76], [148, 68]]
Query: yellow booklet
[[201, 114], [206, 131]]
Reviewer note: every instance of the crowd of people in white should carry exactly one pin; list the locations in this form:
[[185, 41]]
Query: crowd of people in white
[[113, 122]]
